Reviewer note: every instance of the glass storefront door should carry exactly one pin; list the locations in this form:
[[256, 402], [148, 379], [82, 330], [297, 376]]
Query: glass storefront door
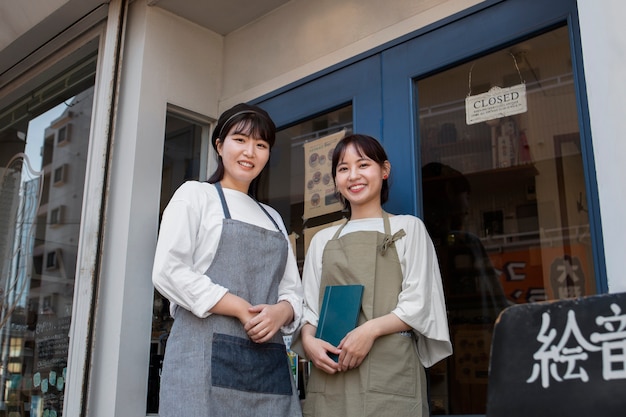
[[509, 200], [504, 198], [44, 141]]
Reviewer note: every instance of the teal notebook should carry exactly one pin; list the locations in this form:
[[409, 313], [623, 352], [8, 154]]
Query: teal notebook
[[339, 314]]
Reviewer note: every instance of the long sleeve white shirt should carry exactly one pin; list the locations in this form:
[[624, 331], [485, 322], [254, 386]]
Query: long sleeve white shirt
[[188, 239], [421, 302]]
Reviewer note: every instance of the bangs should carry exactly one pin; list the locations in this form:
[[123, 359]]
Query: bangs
[[255, 127], [364, 146]]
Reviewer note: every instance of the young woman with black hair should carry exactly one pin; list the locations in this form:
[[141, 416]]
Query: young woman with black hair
[[402, 325], [224, 261]]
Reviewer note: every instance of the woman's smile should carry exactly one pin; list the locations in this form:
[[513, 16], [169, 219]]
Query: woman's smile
[[359, 179], [243, 156], [246, 164], [356, 188]]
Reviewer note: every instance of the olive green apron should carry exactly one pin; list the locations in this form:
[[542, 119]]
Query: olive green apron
[[391, 380]]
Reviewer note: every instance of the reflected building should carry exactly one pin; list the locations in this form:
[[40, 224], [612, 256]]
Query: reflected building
[[42, 193]]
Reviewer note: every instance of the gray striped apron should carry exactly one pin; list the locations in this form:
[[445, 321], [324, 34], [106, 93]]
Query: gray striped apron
[[211, 367]]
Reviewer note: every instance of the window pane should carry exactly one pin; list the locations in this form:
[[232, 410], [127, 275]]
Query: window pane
[[504, 200], [40, 212]]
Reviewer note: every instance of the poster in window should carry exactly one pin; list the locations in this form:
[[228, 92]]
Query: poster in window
[[319, 187]]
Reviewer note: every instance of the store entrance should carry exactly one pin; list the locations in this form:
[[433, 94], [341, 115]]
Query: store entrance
[[504, 190], [504, 198]]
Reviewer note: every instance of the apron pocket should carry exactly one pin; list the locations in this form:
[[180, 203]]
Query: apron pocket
[[243, 365], [393, 366]]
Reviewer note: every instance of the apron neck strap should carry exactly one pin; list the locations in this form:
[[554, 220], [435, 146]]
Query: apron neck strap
[[386, 224], [220, 191], [218, 187]]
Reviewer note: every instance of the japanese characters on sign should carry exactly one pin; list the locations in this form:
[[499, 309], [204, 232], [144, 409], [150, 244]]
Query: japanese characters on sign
[[566, 357], [573, 348]]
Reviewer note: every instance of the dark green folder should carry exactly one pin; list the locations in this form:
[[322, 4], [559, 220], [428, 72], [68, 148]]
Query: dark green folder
[[339, 313]]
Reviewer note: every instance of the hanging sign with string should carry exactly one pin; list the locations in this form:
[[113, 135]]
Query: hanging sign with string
[[496, 103]]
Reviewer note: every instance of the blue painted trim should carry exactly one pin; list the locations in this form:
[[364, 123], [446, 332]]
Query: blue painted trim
[[358, 84], [379, 84], [591, 181]]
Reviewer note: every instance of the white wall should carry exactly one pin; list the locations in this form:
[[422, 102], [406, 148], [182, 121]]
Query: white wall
[[304, 37], [604, 56], [166, 60]]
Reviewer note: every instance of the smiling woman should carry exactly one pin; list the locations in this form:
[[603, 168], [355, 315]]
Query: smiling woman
[[242, 123], [380, 365], [361, 180], [228, 307], [243, 154]]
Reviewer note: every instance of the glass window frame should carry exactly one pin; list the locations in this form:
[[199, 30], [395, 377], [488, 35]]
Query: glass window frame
[[473, 171]]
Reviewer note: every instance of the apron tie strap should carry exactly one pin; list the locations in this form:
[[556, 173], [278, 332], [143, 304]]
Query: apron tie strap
[[389, 239]]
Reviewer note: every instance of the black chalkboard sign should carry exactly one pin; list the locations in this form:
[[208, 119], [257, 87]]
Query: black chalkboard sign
[[562, 358]]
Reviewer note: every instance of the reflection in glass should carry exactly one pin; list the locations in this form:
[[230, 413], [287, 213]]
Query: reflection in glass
[[42, 176], [504, 201]]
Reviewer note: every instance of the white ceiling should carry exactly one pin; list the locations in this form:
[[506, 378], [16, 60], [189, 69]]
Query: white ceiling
[[221, 16], [27, 25]]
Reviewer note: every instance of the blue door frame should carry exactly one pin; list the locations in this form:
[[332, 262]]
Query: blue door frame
[[358, 84], [379, 84]]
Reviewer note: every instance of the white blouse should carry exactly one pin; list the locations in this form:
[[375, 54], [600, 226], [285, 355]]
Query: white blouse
[[188, 238], [421, 302]]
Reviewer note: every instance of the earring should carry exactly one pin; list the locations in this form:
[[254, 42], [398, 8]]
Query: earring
[[385, 176]]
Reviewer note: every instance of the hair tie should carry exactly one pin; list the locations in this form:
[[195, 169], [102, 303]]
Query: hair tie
[[239, 113]]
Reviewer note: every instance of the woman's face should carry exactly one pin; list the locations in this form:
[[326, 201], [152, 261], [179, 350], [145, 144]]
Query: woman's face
[[243, 156], [359, 179]]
